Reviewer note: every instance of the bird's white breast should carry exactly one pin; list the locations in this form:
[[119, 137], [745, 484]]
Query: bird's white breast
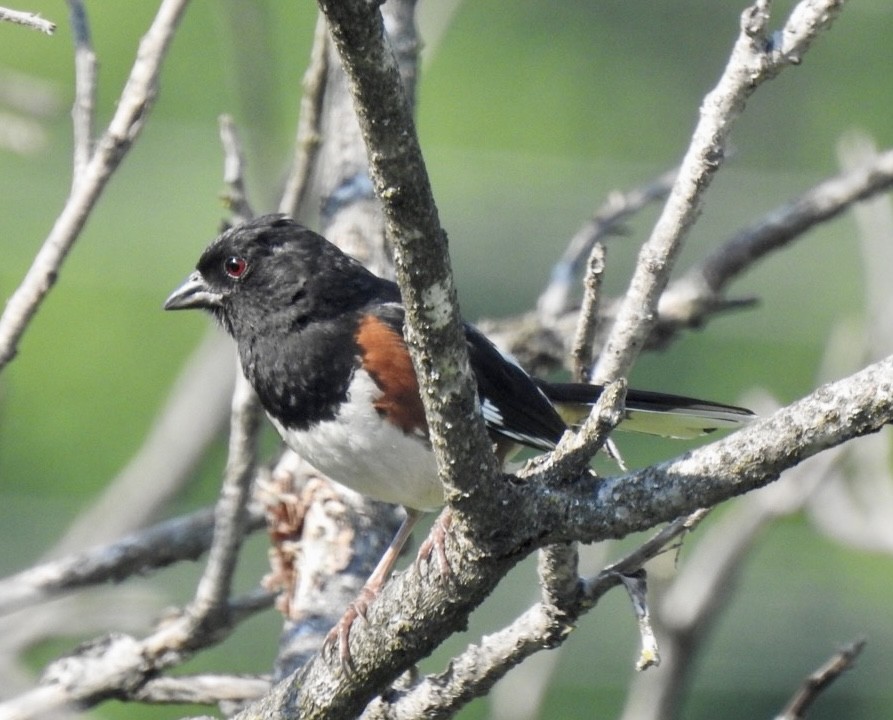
[[360, 449]]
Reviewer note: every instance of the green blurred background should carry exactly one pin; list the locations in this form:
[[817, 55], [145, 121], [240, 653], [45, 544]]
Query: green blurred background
[[530, 113]]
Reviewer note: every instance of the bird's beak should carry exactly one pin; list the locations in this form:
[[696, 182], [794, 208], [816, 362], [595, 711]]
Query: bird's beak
[[193, 293]]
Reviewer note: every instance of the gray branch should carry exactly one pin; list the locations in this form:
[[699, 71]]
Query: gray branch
[[201, 689], [185, 538], [543, 341], [29, 20], [118, 665], [693, 297], [543, 626], [417, 611], [230, 513], [817, 682], [83, 113], [757, 56], [130, 116]]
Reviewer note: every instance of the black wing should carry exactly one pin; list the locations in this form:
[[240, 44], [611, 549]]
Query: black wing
[[512, 403]]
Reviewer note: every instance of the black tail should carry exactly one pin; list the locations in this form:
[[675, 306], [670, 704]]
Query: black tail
[[648, 412]]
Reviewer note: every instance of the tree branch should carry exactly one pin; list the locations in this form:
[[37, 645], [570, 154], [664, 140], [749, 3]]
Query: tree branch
[[709, 278], [118, 665], [132, 109], [230, 514], [184, 538], [83, 112], [543, 341], [756, 57], [416, 612], [234, 171], [308, 135], [29, 20], [556, 298], [201, 689], [543, 626], [843, 660]]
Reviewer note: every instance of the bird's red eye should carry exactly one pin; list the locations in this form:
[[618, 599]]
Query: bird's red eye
[[235, 267]]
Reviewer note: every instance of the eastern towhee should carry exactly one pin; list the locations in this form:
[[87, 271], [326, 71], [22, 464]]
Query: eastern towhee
[[321, 341]]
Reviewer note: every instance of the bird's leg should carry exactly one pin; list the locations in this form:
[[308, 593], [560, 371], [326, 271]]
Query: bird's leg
[[341, 630], [434, 544]]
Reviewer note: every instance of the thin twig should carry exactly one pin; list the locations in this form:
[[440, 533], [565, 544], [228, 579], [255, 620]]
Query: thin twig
[[234, 171], [132, 110], [230, 514], [308, 137], [636, 586], [595, 587], [184, 538], [576, 449], [201, 689], [757, 56], [30, 20], [557, 566], [813, 686], [82, 113], [584, 337], [555, 300]]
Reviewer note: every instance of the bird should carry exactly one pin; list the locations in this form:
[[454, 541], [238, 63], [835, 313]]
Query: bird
[[320, 339]]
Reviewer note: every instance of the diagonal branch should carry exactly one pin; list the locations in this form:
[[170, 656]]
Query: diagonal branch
[[543, 626], [416, 612], [698, 295], [818, 681], [756, 57], [231, 515], [118, 665], [132, 109], [183, 538], [821, 203], [26, 19]]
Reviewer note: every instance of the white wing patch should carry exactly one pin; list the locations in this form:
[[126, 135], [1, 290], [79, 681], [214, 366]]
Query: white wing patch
[[495, 421], [491, 413]]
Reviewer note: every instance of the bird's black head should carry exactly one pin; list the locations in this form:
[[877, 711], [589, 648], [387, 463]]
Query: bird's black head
[[271, 271]]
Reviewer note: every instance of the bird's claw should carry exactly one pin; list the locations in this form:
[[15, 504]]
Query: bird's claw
[[339, 635], [435, 544]]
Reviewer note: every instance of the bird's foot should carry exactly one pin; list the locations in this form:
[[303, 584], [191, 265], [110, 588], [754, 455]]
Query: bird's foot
[[339, 635], [435, 544]]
